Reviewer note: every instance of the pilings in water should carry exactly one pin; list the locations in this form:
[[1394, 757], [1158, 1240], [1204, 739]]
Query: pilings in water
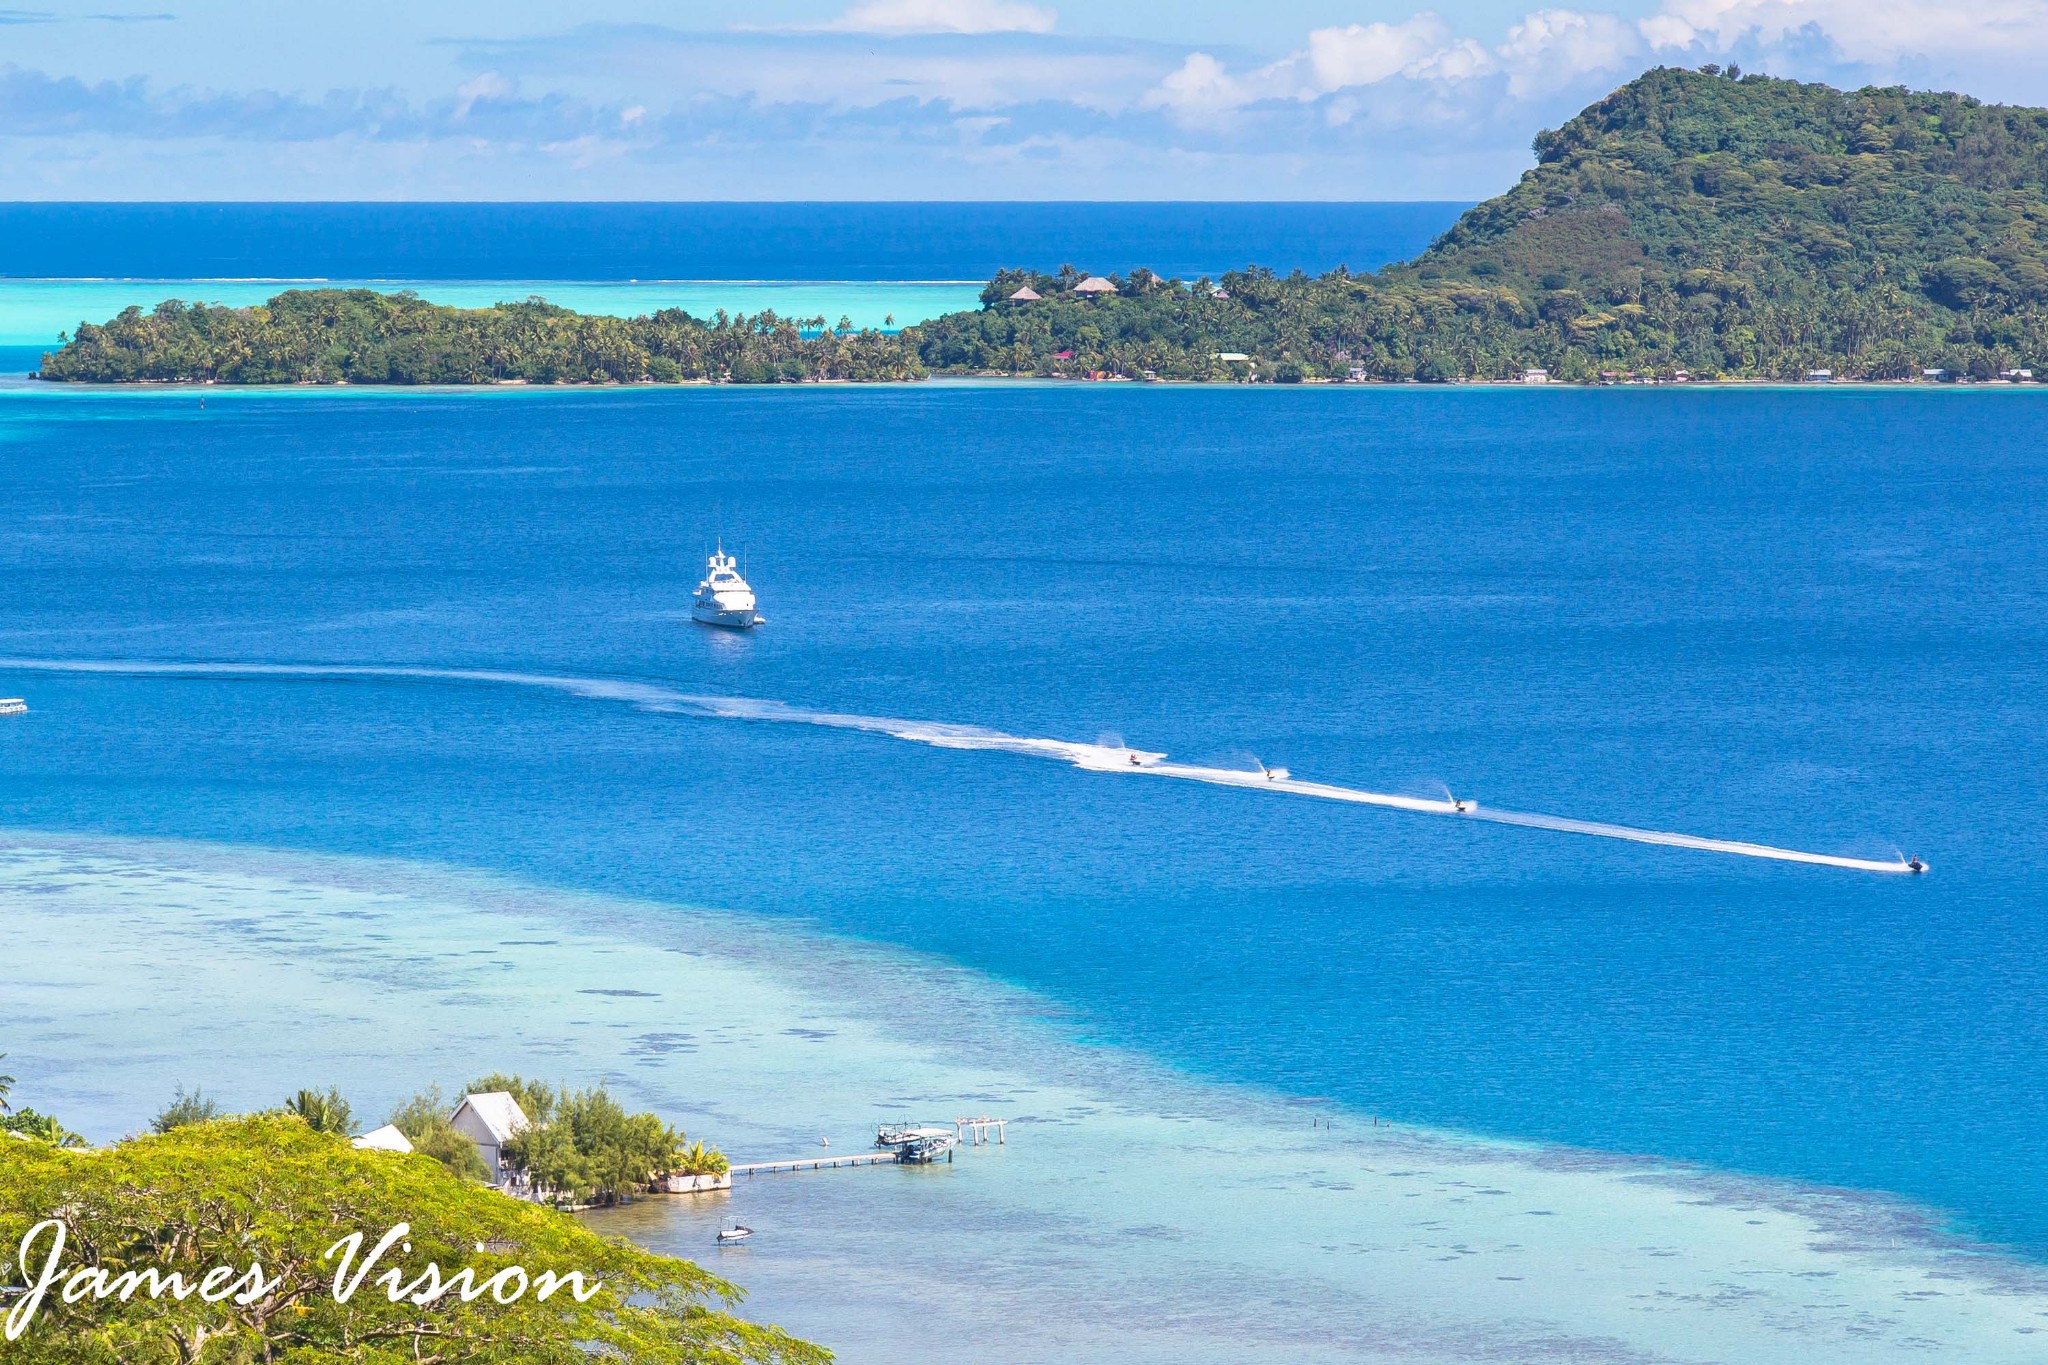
[[978, 1132]]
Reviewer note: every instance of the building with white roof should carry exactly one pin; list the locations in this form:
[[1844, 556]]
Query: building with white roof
[[1095, 284], [490, 1120], [385, 1139]]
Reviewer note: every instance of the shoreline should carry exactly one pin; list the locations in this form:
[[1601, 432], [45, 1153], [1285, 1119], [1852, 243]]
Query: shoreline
[[778, 1027], [30, 382]]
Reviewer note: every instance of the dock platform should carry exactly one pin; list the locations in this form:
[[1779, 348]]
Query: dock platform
[[814, 1163]]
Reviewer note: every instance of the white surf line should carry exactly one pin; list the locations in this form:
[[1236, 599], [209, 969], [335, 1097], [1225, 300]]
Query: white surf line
[[1103, 758]]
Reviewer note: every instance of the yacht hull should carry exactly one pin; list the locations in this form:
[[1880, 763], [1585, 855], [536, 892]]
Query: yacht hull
[[731, 620]]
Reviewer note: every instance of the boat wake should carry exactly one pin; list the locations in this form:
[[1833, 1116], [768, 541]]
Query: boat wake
[[1098, 757]]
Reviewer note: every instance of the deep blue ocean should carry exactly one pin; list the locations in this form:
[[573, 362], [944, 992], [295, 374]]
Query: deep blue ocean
[[1809, 618], [728, 241]]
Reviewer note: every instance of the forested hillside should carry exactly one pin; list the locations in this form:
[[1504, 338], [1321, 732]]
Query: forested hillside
[[1697, 220]]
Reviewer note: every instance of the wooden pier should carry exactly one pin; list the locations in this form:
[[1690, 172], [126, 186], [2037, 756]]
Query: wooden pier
[[814, 1163]]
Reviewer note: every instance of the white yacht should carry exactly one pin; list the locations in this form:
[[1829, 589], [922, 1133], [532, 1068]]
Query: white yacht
[[723, 598], [13, 706]]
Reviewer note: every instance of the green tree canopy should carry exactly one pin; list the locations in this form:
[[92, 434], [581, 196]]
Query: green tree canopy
[[270, 1189], [185, 1109], [424, 1121], [591, 1150]]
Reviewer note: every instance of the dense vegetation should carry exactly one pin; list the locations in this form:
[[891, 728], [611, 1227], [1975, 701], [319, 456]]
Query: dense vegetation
[[582, 1147], [273, 1190], [1701, 221], [358, 336]]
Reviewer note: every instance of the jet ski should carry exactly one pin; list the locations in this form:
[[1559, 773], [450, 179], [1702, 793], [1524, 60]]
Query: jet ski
[[737, 1232], [1274, 774], [1915, 865]]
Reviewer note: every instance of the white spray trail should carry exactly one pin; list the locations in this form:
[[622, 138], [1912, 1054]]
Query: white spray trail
[[1103, 758]]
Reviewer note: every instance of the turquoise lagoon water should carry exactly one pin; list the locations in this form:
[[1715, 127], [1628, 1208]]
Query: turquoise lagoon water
[[1645, 1103]]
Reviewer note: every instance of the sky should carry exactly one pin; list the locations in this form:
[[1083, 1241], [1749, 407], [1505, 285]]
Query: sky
[[893, 99]]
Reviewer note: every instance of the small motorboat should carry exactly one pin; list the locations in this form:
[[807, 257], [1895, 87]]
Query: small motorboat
[[733, 1232], [15, 706], [901, 1135], [928, 1146]]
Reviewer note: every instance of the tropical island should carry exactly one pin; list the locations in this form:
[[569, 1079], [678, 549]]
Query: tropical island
[[1694, 224]]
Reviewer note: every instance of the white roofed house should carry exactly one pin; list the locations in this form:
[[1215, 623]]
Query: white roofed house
[[385, 1139], [490, 1120]]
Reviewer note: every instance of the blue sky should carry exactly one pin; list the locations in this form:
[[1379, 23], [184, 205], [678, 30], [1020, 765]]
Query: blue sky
[[891, 99]]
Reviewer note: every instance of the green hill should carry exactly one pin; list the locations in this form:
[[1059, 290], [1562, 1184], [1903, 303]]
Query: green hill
[[1697, 220]]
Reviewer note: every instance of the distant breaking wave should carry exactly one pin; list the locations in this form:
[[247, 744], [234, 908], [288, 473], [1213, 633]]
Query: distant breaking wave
[[1101, 758]]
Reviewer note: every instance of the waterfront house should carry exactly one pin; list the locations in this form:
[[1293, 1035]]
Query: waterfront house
[[1820, 376], [1095, 284], [1535, 376], [1025, 295], [489, 1120], [385, 1139]]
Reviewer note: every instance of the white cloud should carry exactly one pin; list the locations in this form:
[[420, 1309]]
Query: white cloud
[[1548, 50], [1873, 31], [1552, 48], [1365, 54], [944, 16], [489, 86]]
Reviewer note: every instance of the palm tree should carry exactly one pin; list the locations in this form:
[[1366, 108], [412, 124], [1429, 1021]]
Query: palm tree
[[323, 1113], [6, 1084], [697, 1159]]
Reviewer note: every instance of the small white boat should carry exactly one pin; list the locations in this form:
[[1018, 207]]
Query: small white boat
[[929, 1146], [723, 598], [13, 706], [734, 1232]]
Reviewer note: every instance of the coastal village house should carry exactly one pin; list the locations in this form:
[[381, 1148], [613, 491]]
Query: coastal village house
[[490, 1121], [385, 1139]]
